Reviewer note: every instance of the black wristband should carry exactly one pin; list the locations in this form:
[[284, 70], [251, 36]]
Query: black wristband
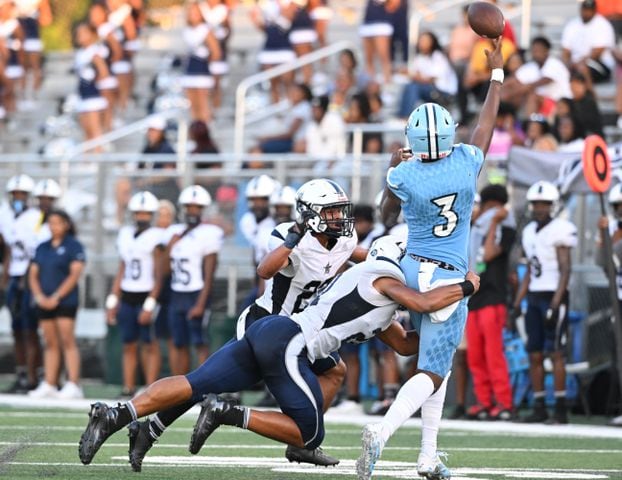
[[292, 239], [467, 288]]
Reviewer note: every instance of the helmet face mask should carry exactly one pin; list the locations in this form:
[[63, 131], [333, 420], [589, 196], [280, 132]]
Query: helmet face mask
[[430, 132], [325, 208]]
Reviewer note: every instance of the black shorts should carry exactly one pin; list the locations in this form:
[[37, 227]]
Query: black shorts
[[540, 336], [60, 311]]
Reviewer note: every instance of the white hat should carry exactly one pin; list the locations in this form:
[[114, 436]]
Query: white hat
[[156, 122]]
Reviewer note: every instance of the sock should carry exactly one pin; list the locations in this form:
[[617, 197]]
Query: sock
[[409, 399], [22, 374], [390, 390], [125, 414], [431, 413], [163, 419], [560, 399], [236, 416]]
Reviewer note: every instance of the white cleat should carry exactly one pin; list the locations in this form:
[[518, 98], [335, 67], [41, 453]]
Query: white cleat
[[372, 448], [432, 468]]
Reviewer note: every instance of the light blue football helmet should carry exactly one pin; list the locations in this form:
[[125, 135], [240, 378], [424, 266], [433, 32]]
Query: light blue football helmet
[[430, 132]]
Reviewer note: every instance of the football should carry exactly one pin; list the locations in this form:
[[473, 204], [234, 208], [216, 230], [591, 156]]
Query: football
[[486, 19]]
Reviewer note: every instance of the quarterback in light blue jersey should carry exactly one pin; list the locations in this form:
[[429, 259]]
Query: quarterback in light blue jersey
[[434, 184]]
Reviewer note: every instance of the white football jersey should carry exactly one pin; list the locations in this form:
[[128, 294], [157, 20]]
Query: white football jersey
[[188, 252], [310, 266], [540, 249], [349, 309], [20, 234], [257, 234], [136, 252], [42, 230]]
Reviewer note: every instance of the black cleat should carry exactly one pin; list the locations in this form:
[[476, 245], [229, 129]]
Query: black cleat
[[140, 443], [102, 424], [212, 407], [538, 415], [314, 457]]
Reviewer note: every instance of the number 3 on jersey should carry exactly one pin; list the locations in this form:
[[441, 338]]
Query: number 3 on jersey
[[445, 204]]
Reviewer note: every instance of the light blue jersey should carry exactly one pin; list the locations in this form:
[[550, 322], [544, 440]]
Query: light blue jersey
[[437, 202]]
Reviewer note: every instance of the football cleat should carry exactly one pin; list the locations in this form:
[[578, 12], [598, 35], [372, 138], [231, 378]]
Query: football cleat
[[432, 468], [212, 407], [102, 424], [140, 443], [372, 448], [314, 457]]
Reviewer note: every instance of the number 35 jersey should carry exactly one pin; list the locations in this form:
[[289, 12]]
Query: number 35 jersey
[[540, 247], [310, 266], [437, 201], [188, 253], [136, 252]]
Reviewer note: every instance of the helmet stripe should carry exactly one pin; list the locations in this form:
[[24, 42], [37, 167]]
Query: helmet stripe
[[432, 131], [335, 185]]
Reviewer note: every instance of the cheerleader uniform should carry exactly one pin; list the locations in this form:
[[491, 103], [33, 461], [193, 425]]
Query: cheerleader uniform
[[13, 69], [377, 21], [90, 98], [28, 17], [302, 25], [322, 12], [277, 48], [116, 18], [197, 73], [216, 18], [110, 82], [135, 45]]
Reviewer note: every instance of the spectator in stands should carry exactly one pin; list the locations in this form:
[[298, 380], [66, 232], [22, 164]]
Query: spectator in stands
[[163, 187], [538, 84], [325, 136], [31, 15], [112, 53], [538, 134], [359, 111], [216, 14], [199, 133], [53, 278], [203, 48], [461, 44], [376, 32], [612, 11], [477, 75], [585, 107], [302, 35], [273, 20], [13, 36], [191, 256], [506, 134], [546, 243], [90, 67], [136, 287], [569, 135], [298, 116], [492, 237], [586, 43], [342, 90], [508, 29], [432, 79]]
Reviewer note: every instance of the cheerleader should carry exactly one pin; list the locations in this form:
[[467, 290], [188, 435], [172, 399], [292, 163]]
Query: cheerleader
[[12, 35], [376, 31], [321, 14], [302, 35], [90, 67], [191, 256], [217, 16], [204, 48], [31, 15], [136, 287], [120, 15], [272, 16], [112, 53]]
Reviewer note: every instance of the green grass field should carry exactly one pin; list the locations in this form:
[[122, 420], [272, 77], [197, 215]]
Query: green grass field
[[42, 443]]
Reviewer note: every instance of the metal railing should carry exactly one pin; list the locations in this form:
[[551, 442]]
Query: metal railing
[[247, 83]]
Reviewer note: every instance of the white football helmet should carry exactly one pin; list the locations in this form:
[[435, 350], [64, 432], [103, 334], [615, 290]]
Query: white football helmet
[[389, 246], [195, 195], [615, 194], [261, 186], [543, 191], [20, 183], [315, 196], [283, 196], [47, 188], [143, 202]]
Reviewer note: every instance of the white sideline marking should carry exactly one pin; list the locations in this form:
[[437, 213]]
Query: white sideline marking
[[333, 447]]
